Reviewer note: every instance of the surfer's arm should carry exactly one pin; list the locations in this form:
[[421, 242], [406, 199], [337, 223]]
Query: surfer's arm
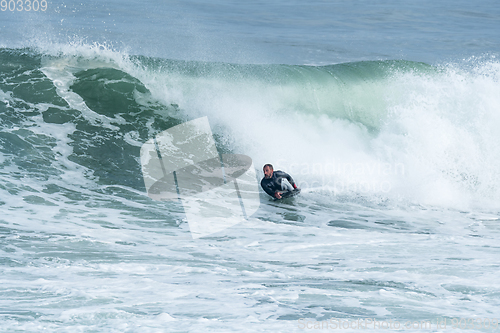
[[267, 189], [289, 178]]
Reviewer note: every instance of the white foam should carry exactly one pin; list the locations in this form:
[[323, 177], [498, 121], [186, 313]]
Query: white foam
[[437, 145]]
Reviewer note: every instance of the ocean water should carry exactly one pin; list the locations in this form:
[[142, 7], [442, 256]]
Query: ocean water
[[386, 113]]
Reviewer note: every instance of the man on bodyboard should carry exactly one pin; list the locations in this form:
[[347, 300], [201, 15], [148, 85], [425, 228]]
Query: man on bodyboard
[[273, 183]]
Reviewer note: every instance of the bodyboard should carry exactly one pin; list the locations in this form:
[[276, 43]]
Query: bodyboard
[[289, 194]]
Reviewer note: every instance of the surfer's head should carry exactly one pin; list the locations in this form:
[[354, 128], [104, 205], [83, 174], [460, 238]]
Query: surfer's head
[[268, 170]]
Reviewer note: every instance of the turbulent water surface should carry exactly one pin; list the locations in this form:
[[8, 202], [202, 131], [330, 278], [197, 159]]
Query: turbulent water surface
[[386, 114]]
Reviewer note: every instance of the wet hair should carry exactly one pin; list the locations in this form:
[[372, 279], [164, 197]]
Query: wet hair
[[268, 165]]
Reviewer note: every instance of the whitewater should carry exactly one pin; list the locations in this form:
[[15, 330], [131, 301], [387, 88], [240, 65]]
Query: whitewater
[[396, 150]]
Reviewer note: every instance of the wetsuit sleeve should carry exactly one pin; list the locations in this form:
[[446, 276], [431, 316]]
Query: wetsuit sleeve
[[287, 176], [266, 187]]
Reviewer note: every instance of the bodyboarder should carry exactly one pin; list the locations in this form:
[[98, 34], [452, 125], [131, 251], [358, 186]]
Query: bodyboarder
[[273, 183]]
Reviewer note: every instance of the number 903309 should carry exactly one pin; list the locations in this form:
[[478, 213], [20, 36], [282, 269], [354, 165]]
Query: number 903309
[[23, 5]]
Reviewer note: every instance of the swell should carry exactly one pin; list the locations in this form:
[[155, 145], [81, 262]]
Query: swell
[[121, 111], [352, 91], [82, 117]]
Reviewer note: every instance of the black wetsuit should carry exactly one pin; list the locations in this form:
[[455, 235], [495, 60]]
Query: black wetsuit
[[273, 184]]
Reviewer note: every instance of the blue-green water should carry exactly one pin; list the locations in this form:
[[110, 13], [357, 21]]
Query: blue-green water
[[385, 113]]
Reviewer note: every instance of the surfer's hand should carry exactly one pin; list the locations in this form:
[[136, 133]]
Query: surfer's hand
[[277, 195]]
